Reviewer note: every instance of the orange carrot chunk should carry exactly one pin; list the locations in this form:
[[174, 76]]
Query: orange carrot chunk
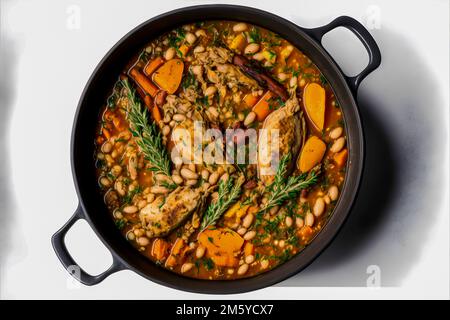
[[221, 244], [143, 82], [168, 77], [156, 113], [175, 253], [262, 107], [250, 100], [314, 103], [152, 65], [160, 249], [248, 249], [340, 158]]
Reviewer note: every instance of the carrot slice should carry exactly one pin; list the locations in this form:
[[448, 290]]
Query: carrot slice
[[152, 65], [156, 113], [250, 100], [221, 245], [305, 232], [184, 49], [314, 102], [172, 260], [248, 248], [340, 158], [225, 260], [168, 77], [106, 133], [262, 107], [160, 249], [143, 82], [312, 153]]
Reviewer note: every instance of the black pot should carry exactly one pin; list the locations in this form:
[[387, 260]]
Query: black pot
[[91, 206]]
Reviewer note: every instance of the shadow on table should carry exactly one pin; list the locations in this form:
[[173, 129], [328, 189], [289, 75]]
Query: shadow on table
[[402, 179], [7, 91]]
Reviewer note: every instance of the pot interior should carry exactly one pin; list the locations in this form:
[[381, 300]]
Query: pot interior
[[94, 97]]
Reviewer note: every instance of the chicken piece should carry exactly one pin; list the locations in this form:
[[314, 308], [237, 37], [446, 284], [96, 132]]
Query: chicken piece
[[285, 130], [162, 217]]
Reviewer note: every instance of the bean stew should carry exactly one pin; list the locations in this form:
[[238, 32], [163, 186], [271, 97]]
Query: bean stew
[[165, 188]]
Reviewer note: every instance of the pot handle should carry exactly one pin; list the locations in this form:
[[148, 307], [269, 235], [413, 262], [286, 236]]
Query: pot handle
[[363, 35], [66, 259]]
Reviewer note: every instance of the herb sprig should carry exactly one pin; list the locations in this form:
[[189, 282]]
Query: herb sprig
[[283, 189], [229, 192], [146, 134]]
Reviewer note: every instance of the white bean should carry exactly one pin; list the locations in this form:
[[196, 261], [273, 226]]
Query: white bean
[[190, 37], [288, 221], [250, 235], [191, 182], [186, 267], [107, 147], [239, 27], [250, 118], [333, 193], [166, 130], [130, 209], [179, 117], [188, 174], [336, 133], [199, 49], [247, 222], [249, 259], [177, 179], [143, 241], [319, 207], [170, 53], [252, 48], [131, 236], [105, 182], [299, 222], [117, 214], [338, 145], [242, 231], [205, 174], [200, 252], [141, 204], [213, 178], [274, 210], [242, 269], [210, 91], [159, 189], [309, 219]]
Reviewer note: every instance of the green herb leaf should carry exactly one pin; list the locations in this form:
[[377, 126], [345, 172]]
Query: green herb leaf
[[147, 136], [229, 191]]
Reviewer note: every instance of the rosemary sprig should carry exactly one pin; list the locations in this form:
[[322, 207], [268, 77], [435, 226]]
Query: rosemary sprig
[[146, 134], [283, 189], [229, 191]]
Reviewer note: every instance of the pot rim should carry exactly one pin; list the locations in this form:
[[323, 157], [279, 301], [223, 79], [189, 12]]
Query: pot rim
[[353, 173]]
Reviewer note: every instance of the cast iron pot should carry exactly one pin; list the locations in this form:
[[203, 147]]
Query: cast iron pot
[[91, 206]]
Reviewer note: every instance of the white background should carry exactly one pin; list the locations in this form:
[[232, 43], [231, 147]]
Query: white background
[[400, 223]]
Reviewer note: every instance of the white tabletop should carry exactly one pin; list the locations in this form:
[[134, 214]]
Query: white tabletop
[[399, 228]]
